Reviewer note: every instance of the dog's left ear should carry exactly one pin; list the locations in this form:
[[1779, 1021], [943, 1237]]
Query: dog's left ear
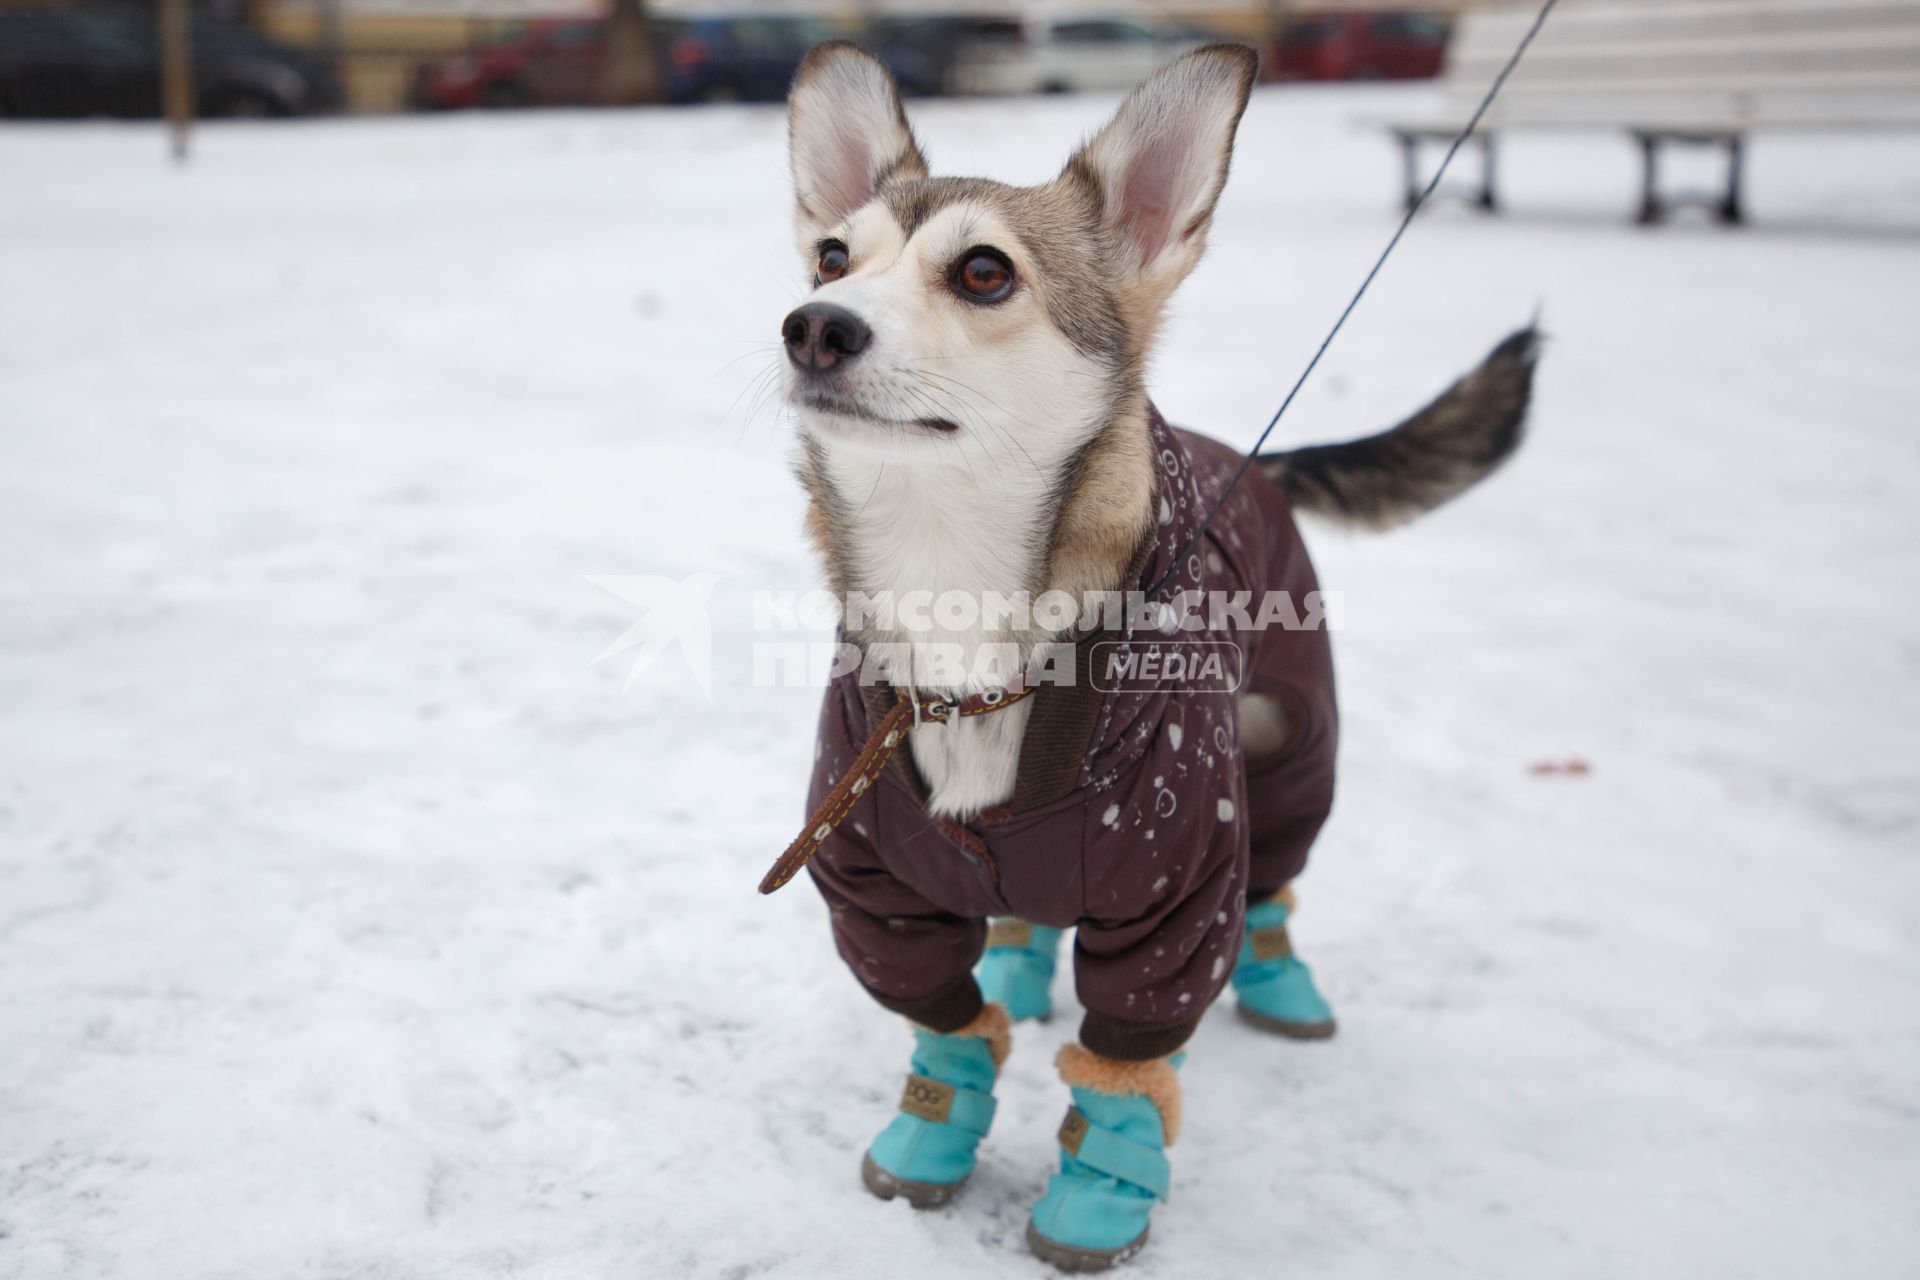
[[847, 131], [1161, 162]]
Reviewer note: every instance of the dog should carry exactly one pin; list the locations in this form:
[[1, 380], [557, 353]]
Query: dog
[[968, 383]]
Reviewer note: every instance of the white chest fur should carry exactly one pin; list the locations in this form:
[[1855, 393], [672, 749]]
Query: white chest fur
[[970, 765], [927, 533]]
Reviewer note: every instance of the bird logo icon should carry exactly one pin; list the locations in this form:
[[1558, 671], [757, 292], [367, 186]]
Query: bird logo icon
[[674, 612]]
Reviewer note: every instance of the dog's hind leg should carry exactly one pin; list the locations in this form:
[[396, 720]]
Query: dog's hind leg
[[1288, 747]]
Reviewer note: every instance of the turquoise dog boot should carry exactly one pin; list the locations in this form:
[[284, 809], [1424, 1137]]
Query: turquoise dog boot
[[1017, 970], [927, 1151], [1113, 1164], [1275, 986]]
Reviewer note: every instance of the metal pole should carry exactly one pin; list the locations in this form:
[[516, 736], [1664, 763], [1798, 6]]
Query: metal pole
[[1733, 209], [332, 41], [631, 73], [176, 72], [1650, 210]]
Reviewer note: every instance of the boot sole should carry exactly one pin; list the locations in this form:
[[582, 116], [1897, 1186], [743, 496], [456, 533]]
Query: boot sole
[[921, 1195], [1067, 1257], [1291, 1030]]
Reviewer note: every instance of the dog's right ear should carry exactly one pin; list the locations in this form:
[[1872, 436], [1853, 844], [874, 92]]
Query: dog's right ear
[[847, 131]]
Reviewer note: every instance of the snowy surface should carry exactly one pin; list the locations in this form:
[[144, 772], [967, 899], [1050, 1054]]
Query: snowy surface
[[353, 925]]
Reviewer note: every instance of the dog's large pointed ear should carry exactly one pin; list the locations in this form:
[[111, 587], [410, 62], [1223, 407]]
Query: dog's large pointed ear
[[1159, 165], [847, 131]]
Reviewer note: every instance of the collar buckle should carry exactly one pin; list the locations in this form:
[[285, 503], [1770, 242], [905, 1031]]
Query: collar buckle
[[938, 710]]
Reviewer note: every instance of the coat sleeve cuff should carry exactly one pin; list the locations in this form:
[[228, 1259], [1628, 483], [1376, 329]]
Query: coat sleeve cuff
[[1134, 1041], [946, 1010]]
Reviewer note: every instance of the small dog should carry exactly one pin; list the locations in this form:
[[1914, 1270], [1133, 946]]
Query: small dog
[[967, 380]]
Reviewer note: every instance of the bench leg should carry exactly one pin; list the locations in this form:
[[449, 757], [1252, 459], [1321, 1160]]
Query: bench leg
[[1733, 210], [1410, 168], [1487, 197], [1730, 208], [1651, 210]]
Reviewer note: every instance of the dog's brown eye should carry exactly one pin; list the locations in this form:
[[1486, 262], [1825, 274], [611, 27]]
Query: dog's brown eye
[[984, 276], [833, 262]]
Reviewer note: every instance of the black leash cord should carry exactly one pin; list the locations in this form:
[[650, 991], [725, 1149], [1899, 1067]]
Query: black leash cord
[[1413, 210]]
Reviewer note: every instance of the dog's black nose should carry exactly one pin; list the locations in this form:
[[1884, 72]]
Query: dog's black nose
[[820, 336]]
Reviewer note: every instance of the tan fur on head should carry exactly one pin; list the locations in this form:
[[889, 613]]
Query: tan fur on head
[[994, 1026], [1155, 1080]]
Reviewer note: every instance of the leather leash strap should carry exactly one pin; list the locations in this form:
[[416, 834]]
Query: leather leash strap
[[881, 744]]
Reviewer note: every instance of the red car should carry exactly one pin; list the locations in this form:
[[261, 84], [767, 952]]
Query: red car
[[548, 62], [1375, 45]]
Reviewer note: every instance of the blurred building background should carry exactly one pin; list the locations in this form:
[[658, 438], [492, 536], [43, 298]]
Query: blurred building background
[[85, 57]]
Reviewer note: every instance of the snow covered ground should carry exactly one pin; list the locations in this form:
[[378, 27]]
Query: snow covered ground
[[352, 924]]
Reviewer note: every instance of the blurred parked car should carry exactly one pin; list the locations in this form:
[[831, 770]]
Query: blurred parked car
[[105, 61], [1361, 46], [1066, 55], [924, 50], [558, 63], [549, 63], [749, 59]]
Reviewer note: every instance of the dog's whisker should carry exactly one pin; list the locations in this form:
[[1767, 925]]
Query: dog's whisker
[[752, 388], [762, 388], [1060, 372], [878, 476], [941, 405], [980, 420], [760, 349]]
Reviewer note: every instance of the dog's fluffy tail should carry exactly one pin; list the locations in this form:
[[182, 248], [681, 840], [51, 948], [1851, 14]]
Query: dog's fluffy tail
[[1432, 457]]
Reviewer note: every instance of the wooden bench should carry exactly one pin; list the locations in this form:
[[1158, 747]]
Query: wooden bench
[[1678, 72]]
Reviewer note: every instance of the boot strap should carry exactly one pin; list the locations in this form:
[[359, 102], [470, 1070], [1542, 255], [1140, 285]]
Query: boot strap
[[938, 1102], [1115, 1155]]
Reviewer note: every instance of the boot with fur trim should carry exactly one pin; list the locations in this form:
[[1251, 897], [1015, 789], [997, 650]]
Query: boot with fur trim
[[926, 1152], [1113, 1164], [1017, 969], [1274, 986]]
